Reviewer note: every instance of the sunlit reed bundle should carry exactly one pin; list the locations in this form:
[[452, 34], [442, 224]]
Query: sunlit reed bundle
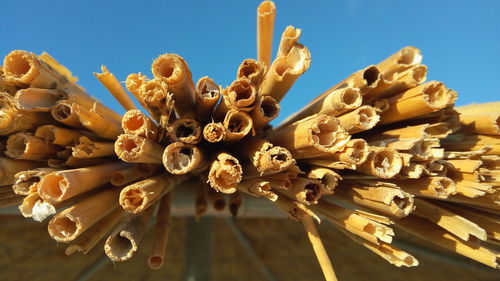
[[382, 150]]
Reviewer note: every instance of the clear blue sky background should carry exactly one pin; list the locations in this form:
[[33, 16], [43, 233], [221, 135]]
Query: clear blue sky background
[[460, 40]]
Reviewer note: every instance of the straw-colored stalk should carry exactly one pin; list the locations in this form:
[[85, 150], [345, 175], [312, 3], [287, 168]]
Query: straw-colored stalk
[[253, 70], [57, 135], [122, 244], [225, 173], [266, 13], [65, 113], [241, 95], [430, 187], [113, 86], [62, 185], [180, 158], [133, 148], [400, 61], [474, 108], [90, 238], [238, 124], [161, 234], [305, 191], [174, 71], [266, 110], [311, 137], [265, 158], [27, 181], [214, 132], [34, 99], [328, 178], [98, 124], [257, 187], [335, 103], [362, 119], [354, 154], [284, 71], [423, 131], [481, 123], [28, 147], [133, 174], [426, 98], [156, 97], [207, 95], [72, 222], [289, 37], [86, 148], [137, 123], [383, 197], [185, 130], [382, 162]]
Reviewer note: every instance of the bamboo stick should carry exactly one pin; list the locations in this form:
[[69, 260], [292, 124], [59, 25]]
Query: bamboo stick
[[86, 148], [253, 70], [266, 110], [132, 148], [122, 244], [161, 233], [174, 71], [382, 163], [311, 137], [89, 239], [284, 71], [109, 81], [72, 222], [180, 158], [63, 185], [214, 132], [28, 147], [207, 95], [185, 130], [225, 173], [57, 135], [265, 28]]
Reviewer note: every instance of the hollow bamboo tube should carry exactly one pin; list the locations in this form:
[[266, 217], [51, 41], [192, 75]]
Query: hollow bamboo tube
[[383, 197], [89, 239], [474, 108], [185, 130], [305, 191], [28, 147], [312, 137], [35, 99], [483, 219], [207, 95], [473, 189], [225, 173], [174, 71], [62, 185], [317, 244], [98, 124], [266, 110], [10, 167], [72, 222], [65, 113], [132, 148], [180, 158], [238, 124], [481, 123], [13, 119], [335, 103], [214, 132], [436, 130], [86, 148], [452, 222], [27, 181], [361, 119], [253, 70], [161, 232], [440, 237], [122, 244], [431, 187], [397, 82], [265, 158], [137, 123], [401, 60], [327, 177], [426, 98], [113, 86], [265, 29], [284, 71], [382, 162], [257, 187], [57, 135], [132, 174], [139, 196], [235, 201]]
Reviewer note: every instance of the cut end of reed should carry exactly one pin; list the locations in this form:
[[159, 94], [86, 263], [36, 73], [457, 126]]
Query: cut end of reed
[[214, 132], [120, 247], [19, 64], [64, 228]]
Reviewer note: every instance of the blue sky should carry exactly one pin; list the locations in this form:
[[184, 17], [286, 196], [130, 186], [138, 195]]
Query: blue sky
[[460, 40]]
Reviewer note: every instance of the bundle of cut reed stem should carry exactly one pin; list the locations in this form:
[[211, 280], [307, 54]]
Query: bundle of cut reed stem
[[382, 148]]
